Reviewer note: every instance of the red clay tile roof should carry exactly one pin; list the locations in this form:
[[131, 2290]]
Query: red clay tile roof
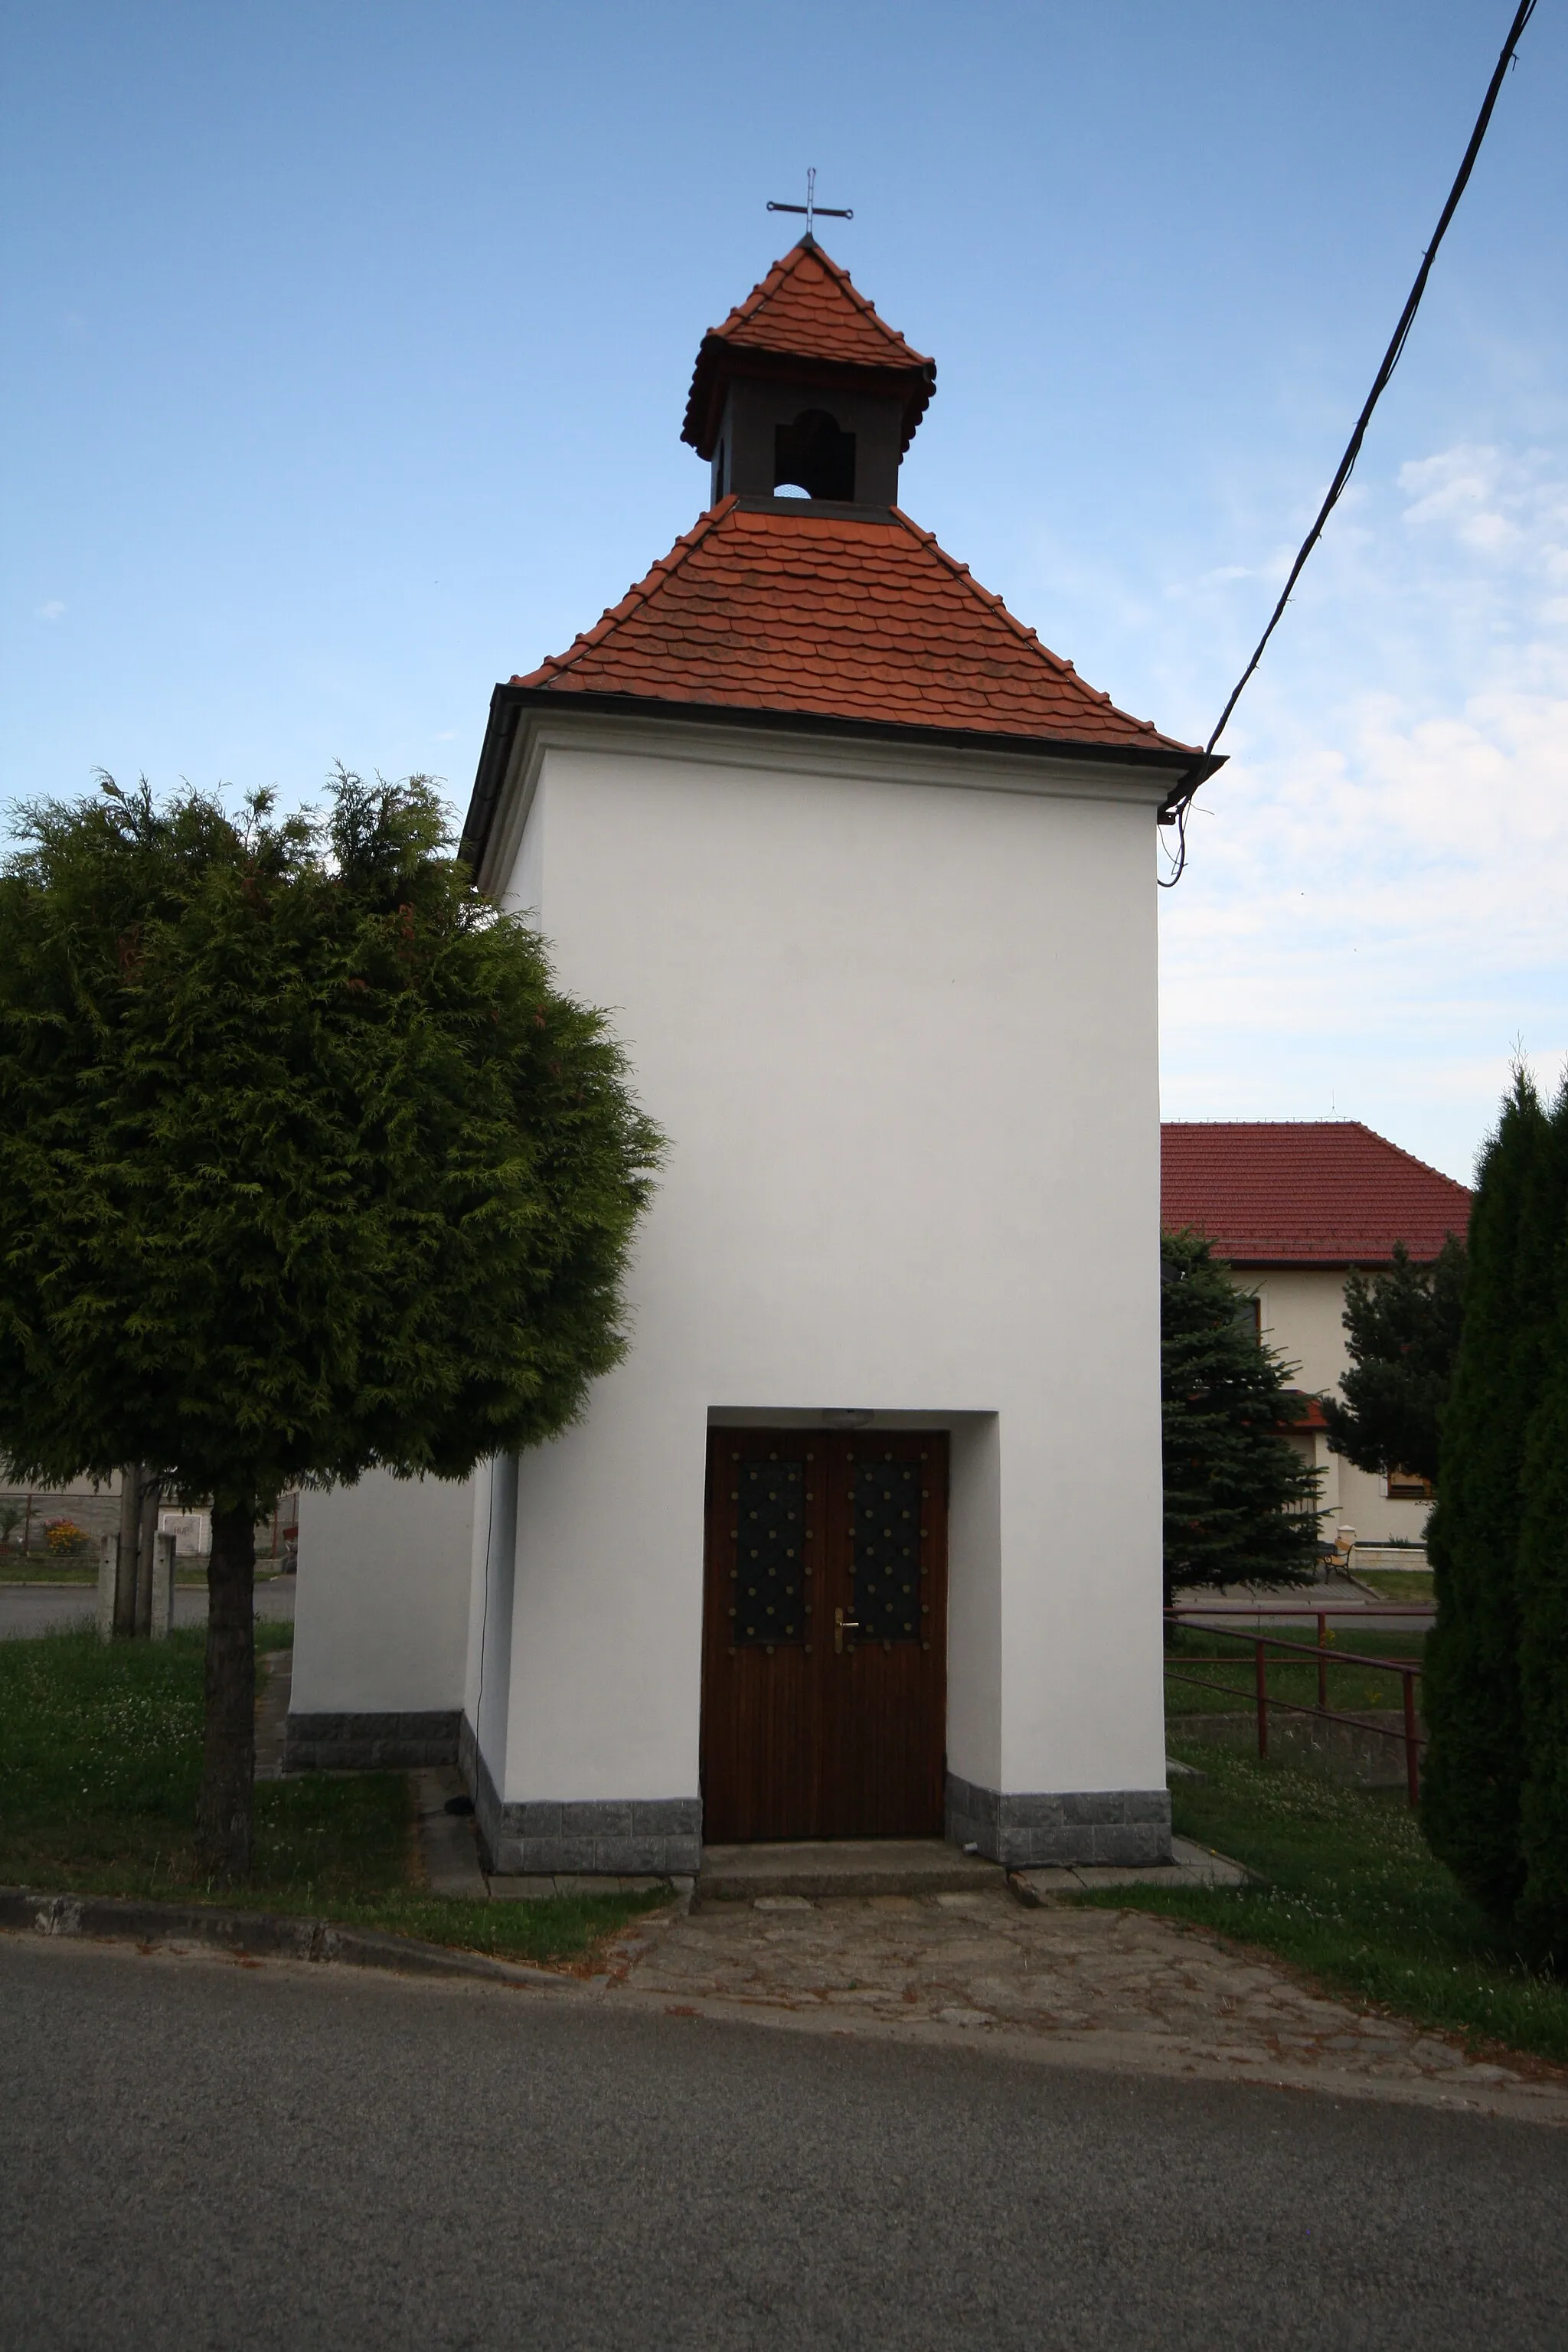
[[1304, 1192], [1314, 1417], [806, 309], [840, 616]]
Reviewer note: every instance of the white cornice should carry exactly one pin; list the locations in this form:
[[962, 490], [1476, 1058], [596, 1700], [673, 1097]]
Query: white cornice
[[781, 751]]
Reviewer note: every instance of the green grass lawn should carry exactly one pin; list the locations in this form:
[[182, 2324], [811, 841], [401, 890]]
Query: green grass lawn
[[43, 1568], [100, 1750], [1350, 1687], [1351, 1893], [1410, 1584]]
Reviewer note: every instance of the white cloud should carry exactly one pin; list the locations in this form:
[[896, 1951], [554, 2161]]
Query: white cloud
[[1376, 906], [1497, 504], [52, 611]]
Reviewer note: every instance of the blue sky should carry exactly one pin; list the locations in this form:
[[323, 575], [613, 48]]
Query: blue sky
[[348, 348]]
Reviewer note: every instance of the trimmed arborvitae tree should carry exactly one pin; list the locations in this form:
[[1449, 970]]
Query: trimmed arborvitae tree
[[1403, 1333], [306, 1167], [1473, 1769], [1241, 1505], [1543, 1595], [1542, 1607]]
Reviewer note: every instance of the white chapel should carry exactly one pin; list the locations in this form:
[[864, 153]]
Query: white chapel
[[863, 1537]]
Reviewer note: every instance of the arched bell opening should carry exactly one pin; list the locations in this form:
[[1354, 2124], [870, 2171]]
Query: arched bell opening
[[814, 457]]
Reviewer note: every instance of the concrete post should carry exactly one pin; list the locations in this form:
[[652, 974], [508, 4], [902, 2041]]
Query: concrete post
[[108, 1581], [146, 1533], [130, 1522], [162, 1622]]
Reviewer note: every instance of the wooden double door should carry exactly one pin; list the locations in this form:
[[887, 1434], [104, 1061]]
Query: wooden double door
[[825, 1635]]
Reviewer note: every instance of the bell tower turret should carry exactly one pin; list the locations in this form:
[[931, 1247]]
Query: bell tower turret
[[805, 393]]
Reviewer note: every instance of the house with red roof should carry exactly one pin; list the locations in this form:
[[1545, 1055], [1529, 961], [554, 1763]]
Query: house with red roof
[[1291, 1206], [866, 871]]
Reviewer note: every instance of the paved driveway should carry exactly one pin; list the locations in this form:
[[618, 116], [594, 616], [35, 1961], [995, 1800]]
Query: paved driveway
[[26, 1609], [204, 2153], [1116, 1988]]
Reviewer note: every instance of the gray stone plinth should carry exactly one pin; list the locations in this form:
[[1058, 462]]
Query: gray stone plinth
[[589, 1837], [369, 1743], [1025, 1829]]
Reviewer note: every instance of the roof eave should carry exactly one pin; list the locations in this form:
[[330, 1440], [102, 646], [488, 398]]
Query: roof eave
[[719, 361], [509, 705], [1305, 1262]]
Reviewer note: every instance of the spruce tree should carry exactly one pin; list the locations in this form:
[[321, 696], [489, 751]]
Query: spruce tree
[[306, 1167], [1241, 1506], [1402, 1330], [1543, 1605], [1474, 1764]]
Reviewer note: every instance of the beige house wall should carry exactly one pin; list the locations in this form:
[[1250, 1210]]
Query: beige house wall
[[1301, 1311]]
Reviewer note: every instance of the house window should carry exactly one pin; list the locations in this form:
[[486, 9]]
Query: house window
[[1408, 1487], [1250, 1315]]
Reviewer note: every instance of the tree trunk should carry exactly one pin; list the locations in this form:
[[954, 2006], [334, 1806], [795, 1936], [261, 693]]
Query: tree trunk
[[229, 1760], [130, 1529]]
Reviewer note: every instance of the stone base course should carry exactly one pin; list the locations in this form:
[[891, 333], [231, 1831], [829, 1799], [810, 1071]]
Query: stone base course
[[1027, 1831], [371, 1743], [589, 1837]]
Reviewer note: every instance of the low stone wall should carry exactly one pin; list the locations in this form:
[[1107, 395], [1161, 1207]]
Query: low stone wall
[[1355, 1751], [1381, 1556], [95, 1510]]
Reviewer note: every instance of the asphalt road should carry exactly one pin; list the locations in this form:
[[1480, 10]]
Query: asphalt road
[[197, 2154], [27, 1608]]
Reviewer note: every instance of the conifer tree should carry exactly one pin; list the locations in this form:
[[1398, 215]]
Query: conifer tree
[[1241, 1506], [1473, 1768], [1543, 1604], [306, 1167], [1402, 1330]]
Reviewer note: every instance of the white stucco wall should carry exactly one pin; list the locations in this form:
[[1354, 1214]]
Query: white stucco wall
[[901, 1033], [381, 1615]]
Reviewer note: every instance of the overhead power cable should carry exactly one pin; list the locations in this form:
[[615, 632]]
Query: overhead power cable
[[1175, 809]]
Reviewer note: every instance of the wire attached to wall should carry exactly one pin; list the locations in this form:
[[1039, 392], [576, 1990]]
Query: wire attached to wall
[[1177, 808]]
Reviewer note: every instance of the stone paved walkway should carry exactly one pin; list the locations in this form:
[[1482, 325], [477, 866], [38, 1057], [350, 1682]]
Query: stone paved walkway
[[1118, 1988]]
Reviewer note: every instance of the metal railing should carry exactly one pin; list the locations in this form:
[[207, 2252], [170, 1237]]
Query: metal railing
[[1408, 1669]]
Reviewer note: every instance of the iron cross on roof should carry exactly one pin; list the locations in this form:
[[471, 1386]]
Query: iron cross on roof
[[811, 207]]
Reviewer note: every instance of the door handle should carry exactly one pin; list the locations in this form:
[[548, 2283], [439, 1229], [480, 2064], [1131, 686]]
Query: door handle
[[842, 1625]]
